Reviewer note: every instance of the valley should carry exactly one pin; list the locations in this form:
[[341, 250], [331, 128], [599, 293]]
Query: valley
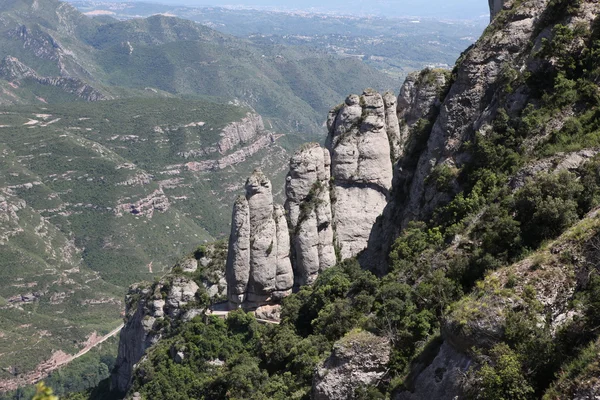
[[96, 196], [396, 46]]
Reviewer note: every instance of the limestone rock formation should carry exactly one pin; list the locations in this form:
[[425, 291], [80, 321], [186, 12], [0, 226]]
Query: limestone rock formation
[[284, 276], [440, 379], [241, 132], [148, 306], [237, 269], [418, 102], [11, 68], [258, 267], [358, 359], [361, 166], [309, 208]]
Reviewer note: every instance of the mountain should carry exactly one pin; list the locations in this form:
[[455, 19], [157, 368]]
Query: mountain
[[122, 145], [95, 196], [51, 52], [396, 46], [477, 277], [463, 9]]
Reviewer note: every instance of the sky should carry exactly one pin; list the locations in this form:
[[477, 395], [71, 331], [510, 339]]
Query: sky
[[462, 9]]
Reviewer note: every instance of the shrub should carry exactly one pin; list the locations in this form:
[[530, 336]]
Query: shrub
[[546, 206]]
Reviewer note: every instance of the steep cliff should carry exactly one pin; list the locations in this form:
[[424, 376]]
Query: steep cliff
[[476, 194], [333, 198], [361, 168], [149, 310], [308, 207], [258, 266], [358, 359]]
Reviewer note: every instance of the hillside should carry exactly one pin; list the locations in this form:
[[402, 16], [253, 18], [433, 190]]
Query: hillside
[[479, 275], [96, 196], [396, 46], [53, 53]]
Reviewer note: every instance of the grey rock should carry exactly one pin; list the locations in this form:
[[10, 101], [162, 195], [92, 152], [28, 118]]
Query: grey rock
[[237, 269], [144, 309], [258, 267], [263, 238], [189, 264], [361, 167], [309, 208], [284, 278], [360, 358], [440, 379], [241, 132]]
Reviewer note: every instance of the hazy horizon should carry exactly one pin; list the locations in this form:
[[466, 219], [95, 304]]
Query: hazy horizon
[[460, 9]]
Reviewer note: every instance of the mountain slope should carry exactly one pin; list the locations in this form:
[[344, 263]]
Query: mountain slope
[[123, 58], [95, 196], [487, 252]]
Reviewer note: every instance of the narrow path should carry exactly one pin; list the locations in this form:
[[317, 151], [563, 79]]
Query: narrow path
[[102, 340], [223, 314], [58, 359]]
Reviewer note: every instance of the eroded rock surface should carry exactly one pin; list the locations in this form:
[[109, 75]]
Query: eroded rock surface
[[258, 266], [361, 166], [149, 309], [359, 358], [309, 208]]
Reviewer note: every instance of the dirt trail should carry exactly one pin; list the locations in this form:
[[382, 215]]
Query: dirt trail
[[58, 359], [223, 314]]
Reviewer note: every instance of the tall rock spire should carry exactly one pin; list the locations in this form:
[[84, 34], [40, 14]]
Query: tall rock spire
[[309, 208], [361, 165], [258, 269]]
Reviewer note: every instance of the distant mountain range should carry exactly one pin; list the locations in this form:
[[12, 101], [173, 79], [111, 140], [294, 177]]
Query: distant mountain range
[[396, 46], [292, 87], [461, 9]]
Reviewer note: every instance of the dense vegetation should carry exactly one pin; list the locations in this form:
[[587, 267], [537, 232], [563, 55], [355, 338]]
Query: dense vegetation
[[83, 373], [66, 174]]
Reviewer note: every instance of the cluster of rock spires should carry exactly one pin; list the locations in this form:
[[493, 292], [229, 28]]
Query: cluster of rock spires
[[372, 166], [334, 196]]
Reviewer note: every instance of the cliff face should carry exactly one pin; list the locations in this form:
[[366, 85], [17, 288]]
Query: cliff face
[[361, 167], [308, 207], [15, 71], [149, 309], [358, 359]]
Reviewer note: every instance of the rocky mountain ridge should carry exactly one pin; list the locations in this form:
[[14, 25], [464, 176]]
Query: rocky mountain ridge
[[333, 197], [485, 234], [72, 57]]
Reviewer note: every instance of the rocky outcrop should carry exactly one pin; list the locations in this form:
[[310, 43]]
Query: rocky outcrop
[[150, 308], [240, 132], [258, 267], [438, 380], [361, 167], [14, 70], [308, 206], [418, 103], [358, 359], [333, 198], [237, 269], [234, 158]]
